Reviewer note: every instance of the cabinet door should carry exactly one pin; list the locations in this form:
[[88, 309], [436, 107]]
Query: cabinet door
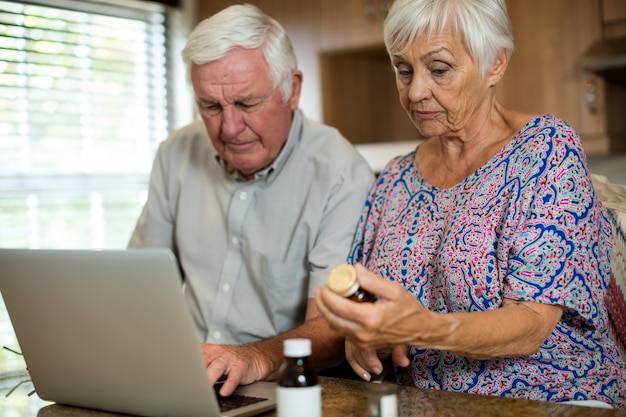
[[544, 75], [352, 24]]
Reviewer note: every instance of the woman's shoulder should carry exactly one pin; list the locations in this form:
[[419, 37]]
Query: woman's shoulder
[[548, 126]]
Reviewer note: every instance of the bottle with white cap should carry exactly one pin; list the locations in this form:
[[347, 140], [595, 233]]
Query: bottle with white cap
[[299, 392]]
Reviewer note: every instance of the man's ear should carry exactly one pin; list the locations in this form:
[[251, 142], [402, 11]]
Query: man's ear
[[296, 89]]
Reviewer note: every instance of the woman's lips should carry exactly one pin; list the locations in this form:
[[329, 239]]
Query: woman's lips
[[424, 114]]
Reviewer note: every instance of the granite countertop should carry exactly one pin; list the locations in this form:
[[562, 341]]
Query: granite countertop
[[347, 398]]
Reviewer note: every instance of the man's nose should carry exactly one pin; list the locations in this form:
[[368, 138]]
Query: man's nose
[[232, 121]]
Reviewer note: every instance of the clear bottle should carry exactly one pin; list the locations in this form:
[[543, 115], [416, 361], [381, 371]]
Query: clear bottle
[[342, 280], [299, 392]]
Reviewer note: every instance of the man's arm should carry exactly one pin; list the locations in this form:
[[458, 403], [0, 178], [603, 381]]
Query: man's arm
[[246, 364]]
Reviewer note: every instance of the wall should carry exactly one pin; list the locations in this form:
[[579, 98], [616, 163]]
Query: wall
[[346, 83]]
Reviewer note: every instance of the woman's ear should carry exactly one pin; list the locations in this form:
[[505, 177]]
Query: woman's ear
[[497, 70]]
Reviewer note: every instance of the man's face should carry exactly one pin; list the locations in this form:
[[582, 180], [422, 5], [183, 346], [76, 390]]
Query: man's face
[[245, 117]]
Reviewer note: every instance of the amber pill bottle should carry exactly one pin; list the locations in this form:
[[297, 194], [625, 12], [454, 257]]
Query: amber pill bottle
[[299, 392], [342, 280]]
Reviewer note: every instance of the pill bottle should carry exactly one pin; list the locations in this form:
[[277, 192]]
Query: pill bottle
[[382, 400], [299, 392], [342, 280]]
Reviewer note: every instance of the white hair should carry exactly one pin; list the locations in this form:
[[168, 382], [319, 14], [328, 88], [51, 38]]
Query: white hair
[[484, 25], [244, 26]]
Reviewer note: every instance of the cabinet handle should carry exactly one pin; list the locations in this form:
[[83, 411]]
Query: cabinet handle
[[591, 96]]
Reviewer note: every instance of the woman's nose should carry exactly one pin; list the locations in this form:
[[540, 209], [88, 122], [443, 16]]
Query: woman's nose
[[418, 89]]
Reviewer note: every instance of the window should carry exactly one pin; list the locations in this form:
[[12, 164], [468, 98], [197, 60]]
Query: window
[[83, 106]]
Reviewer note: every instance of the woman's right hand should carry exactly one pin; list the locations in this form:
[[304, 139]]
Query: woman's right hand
[[367, 362]]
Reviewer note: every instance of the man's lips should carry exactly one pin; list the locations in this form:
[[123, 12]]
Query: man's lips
[[240, 145]]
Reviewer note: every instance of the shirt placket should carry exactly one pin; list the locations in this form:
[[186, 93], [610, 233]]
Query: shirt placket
[[240, 202]]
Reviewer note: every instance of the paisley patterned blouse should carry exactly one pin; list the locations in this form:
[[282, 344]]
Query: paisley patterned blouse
[[525, 226]]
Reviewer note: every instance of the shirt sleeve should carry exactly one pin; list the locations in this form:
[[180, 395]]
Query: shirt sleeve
[[155, 227], [559, 252]]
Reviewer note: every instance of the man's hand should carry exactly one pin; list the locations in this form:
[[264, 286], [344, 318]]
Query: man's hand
[[241, 365]]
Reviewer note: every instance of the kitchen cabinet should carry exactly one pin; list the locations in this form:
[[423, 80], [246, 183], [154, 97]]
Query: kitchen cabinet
[[544, 75], [360, 98], [614, 18], [351, 24]]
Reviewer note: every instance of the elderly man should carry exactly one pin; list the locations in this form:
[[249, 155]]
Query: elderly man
[[257, 202]]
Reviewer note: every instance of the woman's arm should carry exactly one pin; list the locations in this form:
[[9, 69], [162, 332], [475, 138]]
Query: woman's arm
[[518, 328]]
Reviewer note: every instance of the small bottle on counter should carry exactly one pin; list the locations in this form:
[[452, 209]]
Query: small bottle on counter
[[299, 392], [382, 400], [342, 280]]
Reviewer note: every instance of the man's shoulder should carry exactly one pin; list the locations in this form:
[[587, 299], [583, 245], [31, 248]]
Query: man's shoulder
[[191, 137], [190, 132], [328, 143]]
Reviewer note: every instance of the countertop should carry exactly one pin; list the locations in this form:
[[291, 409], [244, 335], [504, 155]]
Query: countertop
[[347, 398]]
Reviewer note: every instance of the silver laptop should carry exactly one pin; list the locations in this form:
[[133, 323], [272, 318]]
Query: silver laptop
[[110, 330]]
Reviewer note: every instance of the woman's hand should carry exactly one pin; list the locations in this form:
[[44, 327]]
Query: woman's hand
[[376, 325], [371, 327]]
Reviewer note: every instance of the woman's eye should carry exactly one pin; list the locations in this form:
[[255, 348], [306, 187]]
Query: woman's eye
[[404, 71], [439, 69]]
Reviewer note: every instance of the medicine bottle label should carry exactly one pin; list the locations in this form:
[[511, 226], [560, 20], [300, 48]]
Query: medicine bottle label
[[299, 402]]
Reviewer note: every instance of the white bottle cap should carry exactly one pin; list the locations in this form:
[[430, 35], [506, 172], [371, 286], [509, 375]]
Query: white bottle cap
[[297, 348]]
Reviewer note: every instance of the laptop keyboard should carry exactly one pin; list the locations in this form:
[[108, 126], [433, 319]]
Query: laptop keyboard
[[234, 401]]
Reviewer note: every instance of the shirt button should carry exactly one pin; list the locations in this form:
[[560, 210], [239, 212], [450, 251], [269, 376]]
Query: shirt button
[[217, 334], [226, 287], [243, 195], [235, 241]]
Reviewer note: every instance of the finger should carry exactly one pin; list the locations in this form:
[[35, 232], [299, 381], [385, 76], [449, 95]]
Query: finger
[[358, 369], [400, 356], [375, 284], [216, 369], [372, 361], [358, 361], [231, 383]]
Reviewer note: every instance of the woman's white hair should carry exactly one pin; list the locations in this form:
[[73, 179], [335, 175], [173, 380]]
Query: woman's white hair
[[244, 26], [484, 25]]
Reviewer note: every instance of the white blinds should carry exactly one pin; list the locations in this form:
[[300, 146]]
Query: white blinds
[[83, 104]]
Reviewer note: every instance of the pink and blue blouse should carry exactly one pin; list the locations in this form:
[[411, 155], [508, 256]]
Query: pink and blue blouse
[[525, 226]]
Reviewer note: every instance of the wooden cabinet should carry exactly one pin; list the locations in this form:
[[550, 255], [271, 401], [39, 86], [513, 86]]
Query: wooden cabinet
[[360, 98], [351, 24], [614, 18], [544, 75]]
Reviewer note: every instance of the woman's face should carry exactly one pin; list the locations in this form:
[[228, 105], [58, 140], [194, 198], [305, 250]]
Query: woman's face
[[439, 84], [244, 114]]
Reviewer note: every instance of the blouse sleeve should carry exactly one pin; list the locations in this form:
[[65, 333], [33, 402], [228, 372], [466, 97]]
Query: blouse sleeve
[[560, 249]]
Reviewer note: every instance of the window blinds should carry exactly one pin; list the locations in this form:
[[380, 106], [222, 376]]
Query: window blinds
[[83, 105]]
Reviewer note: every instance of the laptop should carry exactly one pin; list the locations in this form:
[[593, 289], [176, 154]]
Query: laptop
[[110, 330]]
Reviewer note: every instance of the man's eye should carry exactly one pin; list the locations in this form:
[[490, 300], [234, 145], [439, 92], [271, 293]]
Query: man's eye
[[211, 108], [247, 106]]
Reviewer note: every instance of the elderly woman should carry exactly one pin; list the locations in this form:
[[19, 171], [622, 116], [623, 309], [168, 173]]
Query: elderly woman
[[493, 246]]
